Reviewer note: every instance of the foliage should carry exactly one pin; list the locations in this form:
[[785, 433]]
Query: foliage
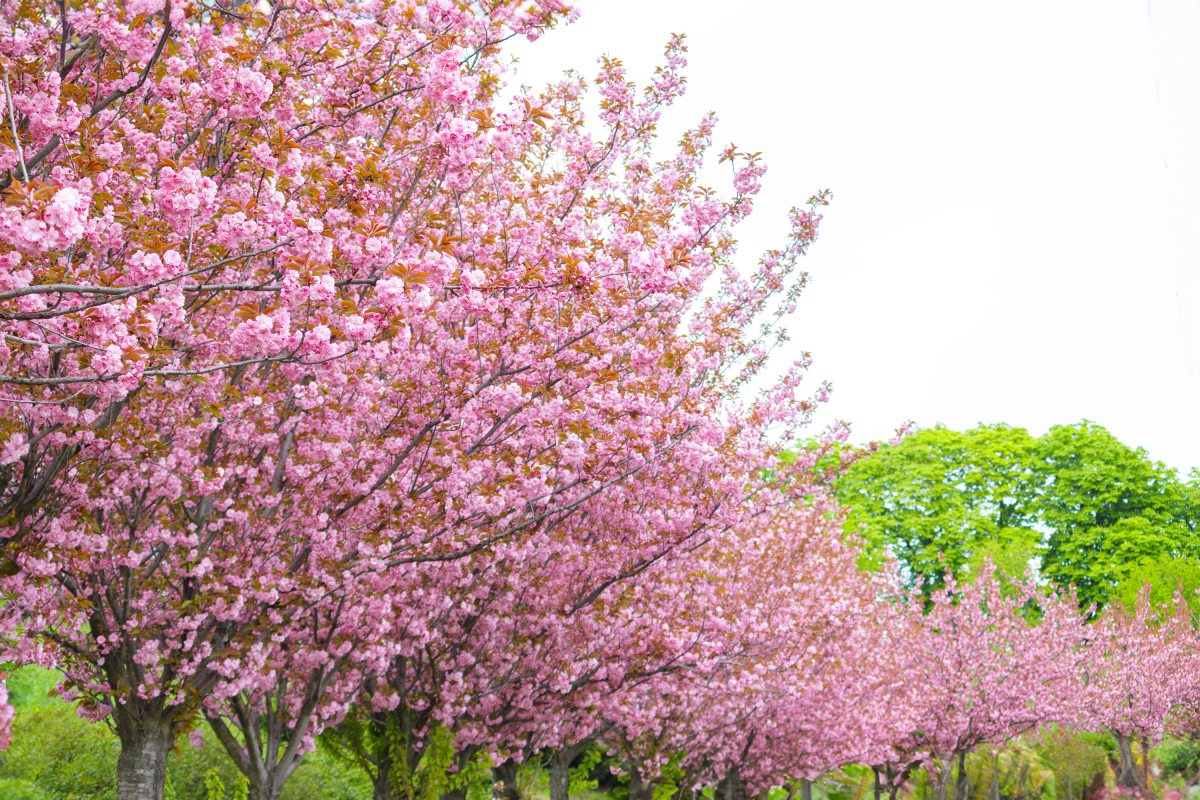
[[1087, 509], [1108, 507], [1075, 756], [942, 499], [20, 789], [849, 782], [1165, 576], [581, 775], [1019, 772], [64, 755], [31, 687], [1180, 757]]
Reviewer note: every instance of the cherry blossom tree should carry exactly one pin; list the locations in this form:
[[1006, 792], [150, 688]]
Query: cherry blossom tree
[[993, 660], [302, 319], [1140, 669], [759, 699]]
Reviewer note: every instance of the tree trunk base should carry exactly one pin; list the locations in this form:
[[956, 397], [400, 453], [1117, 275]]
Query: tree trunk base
[[146, 740]]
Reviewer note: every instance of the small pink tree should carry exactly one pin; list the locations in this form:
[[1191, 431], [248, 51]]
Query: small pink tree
[[993, 660], [1140, 669]]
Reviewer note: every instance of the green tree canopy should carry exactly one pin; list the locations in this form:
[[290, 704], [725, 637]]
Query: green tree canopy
[[1165, 576], [945, 499], [1085, 508], [1107, 509]]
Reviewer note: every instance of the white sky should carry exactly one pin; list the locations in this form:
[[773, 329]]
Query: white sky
[[1015, 232]]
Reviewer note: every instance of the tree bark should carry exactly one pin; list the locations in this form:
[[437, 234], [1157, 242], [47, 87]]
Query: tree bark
[[878, 787], [640, 788], [944, 779], [963, 791], [381, 784], [730, 787], [1146, 761], [560, 768], [147, 736], [560, 776], [1127, 776], [504, 777], [805, 789]]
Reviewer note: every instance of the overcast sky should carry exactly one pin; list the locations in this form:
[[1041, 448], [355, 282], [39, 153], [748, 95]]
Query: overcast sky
[[1015, 231]]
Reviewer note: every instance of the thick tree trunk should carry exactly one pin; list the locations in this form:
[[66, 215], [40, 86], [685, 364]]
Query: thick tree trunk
[[996, 775], [805, 789], [504, 777], [963, 791], [878, 787], [381, 783], [560, 768], [266, 791], [146, 739], [560, 776], [730, 787], [640, 788], [1127, 775]]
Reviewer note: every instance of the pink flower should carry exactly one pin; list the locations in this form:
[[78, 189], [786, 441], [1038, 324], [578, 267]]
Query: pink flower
[[7, 715], [40, 226]]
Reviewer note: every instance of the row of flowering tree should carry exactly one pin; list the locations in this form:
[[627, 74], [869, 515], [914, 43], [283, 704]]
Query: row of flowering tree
[[334, 374], [345, 388]]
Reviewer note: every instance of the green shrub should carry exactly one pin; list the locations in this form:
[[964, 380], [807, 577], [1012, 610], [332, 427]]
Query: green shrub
[[328, 778], [188, 768], [66, 757], [29, 687], [319, 776], [18, 789]]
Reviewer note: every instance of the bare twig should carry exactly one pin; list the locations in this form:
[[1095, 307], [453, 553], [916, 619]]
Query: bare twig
[[12, 117]]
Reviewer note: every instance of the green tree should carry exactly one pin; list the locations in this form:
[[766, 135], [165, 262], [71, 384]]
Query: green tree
[[1165, 576], [1087, 509], [1108, 508], [945, 499]]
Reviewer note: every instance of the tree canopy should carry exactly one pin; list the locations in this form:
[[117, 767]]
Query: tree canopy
[[1084, 508]]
